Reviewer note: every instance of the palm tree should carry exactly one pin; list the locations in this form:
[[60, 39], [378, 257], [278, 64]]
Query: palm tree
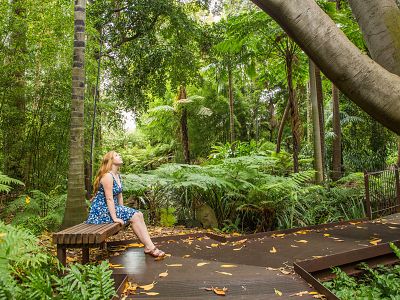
[[75, 211]]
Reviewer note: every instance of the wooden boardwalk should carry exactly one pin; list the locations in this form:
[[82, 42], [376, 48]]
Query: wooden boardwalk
[[262, 263]]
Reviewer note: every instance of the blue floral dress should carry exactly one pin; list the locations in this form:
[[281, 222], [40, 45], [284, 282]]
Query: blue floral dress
[[99, 213]]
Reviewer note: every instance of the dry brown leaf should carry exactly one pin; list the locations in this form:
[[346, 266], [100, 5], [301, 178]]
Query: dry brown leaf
[[235, 234], [272, 269], [163, 274], [294, 246], [391, 227], [273, 250], [279, 293], [186, 256], [339, 240], [375, 241], [160, 258], [72, 259], [115, 266], [214, 245], [202, 264], [317, 256], [208, 247], [174, 265], [228, 266], [354, 223], [224, 273], [302, 241], [238, 249]]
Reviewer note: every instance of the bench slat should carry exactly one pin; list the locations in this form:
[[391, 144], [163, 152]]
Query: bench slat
[[101, 236], [58, 237]]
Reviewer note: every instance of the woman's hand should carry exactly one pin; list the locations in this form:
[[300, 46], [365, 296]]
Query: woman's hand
[[119, 221]]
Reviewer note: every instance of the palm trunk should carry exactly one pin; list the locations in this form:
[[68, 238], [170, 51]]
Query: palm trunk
[[337, 139], [231, 114], [294, 112], [321, 113], [281, 126], [75, 210], [318, 161], [184, 127], [370, 86]]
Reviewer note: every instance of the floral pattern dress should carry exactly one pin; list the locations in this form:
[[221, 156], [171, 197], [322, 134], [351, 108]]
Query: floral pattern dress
[[99, 213]]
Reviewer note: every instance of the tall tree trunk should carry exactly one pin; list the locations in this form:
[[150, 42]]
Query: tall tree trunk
[[231, 113], [184, 127], [281, 126], [321, 112], [337, 139], [294, 112], [75, 210], [13, 125], [370, 86], [398, 151], [318, 161]]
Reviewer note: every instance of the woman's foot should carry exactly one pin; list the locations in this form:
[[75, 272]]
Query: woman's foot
[[155, 252]]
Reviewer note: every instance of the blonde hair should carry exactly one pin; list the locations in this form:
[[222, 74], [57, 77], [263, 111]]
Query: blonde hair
[[105, 167]]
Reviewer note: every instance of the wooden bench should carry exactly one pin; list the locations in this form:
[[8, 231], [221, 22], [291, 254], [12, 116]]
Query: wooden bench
[[83, 236]]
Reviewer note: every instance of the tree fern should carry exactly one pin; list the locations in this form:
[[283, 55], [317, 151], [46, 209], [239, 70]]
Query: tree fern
[[6, 181]]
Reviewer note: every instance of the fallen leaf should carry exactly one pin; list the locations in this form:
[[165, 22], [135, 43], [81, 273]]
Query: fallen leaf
[[294, 246], [302, 241], [338, 240], [317, 256], [239, 242], [214, 245], [354, 223], [135, 245], [327, 234], [228, 266], [302, 231], [283, 271], [151, 293], [281, 235], [174, 265], [147, 287], [208, 247], [116, 266], [160, 258], [220, 292], [313, 293], [273, 250], [279, 293], [299, 294], [235, 234], [223, 273], [202, 264], [237, 249], [164, 274], [375, 242], [186, 256]]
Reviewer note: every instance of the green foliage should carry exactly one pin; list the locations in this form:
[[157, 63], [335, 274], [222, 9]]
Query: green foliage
[[38, 211], [26, 268], [6, 182], [167, 217]]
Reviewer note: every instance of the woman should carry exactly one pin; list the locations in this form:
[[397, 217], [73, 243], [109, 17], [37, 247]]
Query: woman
[[107, 204]]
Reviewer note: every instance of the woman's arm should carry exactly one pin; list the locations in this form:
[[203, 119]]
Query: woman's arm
[[107, 182]]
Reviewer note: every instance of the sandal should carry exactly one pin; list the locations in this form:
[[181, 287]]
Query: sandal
[[155, 252]]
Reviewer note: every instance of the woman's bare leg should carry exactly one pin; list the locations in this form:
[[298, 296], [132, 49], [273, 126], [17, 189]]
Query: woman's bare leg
[[140, 229]]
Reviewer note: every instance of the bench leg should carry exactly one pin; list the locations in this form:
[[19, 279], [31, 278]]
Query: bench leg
[[62, 255], [85, 255]]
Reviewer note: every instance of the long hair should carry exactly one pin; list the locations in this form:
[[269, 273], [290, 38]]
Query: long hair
[[105, 167]]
